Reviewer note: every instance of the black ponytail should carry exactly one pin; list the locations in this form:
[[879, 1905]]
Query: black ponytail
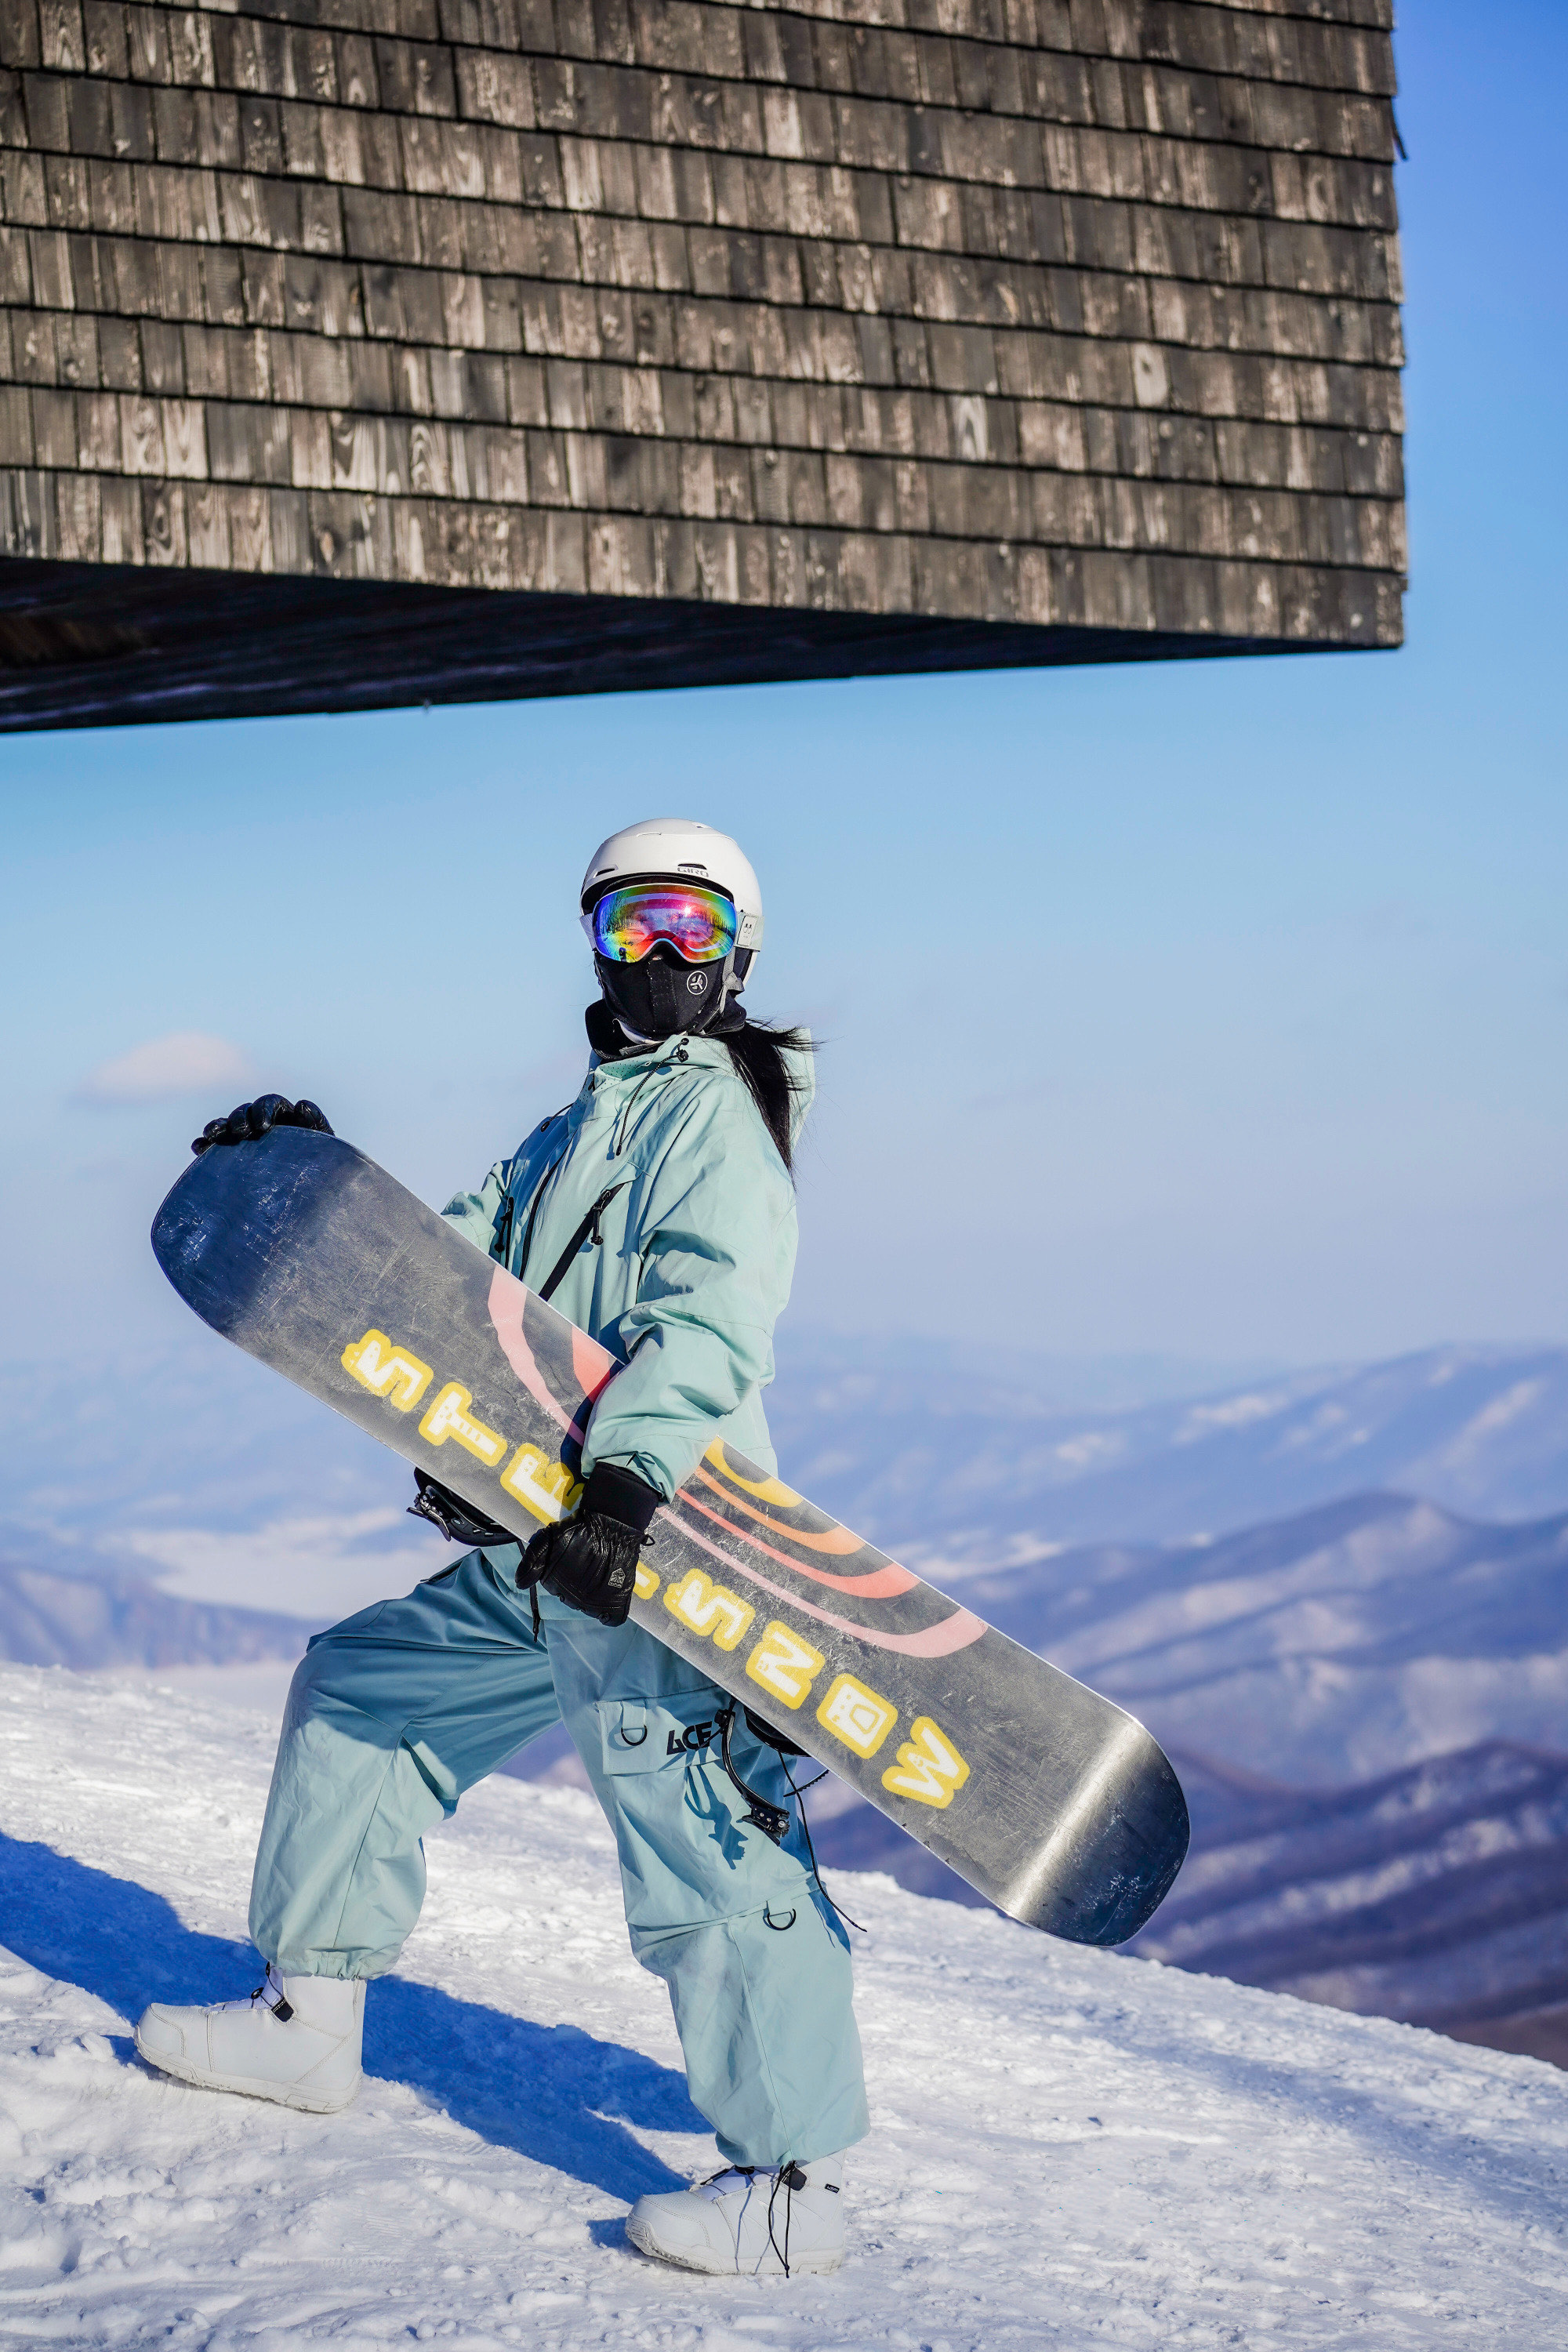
[[758, 1052]]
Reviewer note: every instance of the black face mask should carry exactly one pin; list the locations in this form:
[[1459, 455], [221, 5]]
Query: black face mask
[[661, 996]]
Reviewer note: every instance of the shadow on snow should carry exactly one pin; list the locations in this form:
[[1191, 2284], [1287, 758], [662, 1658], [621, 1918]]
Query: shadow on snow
[[551, 2093]]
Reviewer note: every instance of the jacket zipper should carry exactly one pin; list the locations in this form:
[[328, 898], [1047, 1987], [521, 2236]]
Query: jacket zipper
[[622, 1135], [591, 1222], [589, 1228]]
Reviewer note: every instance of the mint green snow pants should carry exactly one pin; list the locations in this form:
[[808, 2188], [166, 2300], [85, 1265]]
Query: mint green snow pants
[[398, 1710]]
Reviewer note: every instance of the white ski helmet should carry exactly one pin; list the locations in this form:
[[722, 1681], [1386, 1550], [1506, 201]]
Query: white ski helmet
[[678, 844]]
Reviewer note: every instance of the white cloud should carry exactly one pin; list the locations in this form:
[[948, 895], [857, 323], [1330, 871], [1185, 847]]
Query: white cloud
[[165, 1069]]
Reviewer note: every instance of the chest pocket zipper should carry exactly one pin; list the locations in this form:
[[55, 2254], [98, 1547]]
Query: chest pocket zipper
[[588, 1230]]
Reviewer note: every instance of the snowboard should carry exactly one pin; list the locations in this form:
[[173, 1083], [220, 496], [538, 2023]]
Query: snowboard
[[1046, 1798]]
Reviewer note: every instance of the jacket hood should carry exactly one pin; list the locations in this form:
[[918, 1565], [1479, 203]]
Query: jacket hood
[[688, 1051]]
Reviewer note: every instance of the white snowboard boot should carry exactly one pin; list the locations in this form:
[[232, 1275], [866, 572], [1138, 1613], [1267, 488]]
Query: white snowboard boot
[[296, 2039], [758, 2222]]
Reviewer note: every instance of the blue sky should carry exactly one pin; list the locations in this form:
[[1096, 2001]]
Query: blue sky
[[1215, 1008]]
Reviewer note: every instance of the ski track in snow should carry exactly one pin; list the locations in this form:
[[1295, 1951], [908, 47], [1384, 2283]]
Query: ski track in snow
[[1069, 2148]]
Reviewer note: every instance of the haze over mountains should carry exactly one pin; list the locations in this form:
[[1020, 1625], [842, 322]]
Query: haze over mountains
[[226, 1485], [207, 1475], [967, 1453]]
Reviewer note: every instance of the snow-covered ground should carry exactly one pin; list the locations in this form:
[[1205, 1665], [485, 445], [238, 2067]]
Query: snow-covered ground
[[1069, 2146]]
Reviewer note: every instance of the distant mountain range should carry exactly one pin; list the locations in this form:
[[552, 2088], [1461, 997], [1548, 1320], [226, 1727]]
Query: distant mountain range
[[194, 1435], [938, 1452], [1315, 1651], [201, 1472], [925, 1446]]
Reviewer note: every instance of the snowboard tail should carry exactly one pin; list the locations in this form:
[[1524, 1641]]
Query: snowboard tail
[[1044, 1796]]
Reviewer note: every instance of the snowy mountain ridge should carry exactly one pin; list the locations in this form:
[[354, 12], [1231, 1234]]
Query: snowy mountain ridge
[[1069, 2146], [1319, 1649], [1438, 1894], [103, 1616]]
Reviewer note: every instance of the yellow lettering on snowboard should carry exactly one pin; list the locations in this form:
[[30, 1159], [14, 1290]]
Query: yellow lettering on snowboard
[[387, 1371], [450, 1417], [861, 1718], [930, 1767], [542, 1486], [784, 1665], [646, 1582], [710, 1609]]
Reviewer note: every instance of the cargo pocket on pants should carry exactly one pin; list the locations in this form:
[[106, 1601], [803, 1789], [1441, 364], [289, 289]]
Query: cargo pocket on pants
[[657, 1735]]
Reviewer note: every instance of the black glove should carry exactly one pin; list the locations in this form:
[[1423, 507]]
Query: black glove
[[253, 1120], [591, 1562], [458, 1521]]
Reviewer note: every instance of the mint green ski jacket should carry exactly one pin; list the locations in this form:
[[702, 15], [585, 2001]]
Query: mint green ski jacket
[[660, 1194]]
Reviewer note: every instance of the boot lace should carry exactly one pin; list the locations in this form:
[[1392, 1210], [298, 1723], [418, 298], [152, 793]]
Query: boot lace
[[787, 2177]]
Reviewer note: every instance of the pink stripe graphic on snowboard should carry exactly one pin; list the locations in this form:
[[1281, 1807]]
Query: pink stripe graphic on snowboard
[[594, 1367]]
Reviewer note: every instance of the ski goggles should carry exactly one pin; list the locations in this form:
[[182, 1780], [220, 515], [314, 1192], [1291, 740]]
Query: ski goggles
[[627, 924]]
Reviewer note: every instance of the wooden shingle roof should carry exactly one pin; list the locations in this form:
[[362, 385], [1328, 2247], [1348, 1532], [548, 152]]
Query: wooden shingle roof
[[356, 351]]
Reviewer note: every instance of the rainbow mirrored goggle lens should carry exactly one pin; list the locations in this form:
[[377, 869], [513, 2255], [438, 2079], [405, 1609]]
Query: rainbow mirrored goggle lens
[[629, 924]]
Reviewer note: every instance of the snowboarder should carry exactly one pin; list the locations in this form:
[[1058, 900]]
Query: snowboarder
[[657, 1212]]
